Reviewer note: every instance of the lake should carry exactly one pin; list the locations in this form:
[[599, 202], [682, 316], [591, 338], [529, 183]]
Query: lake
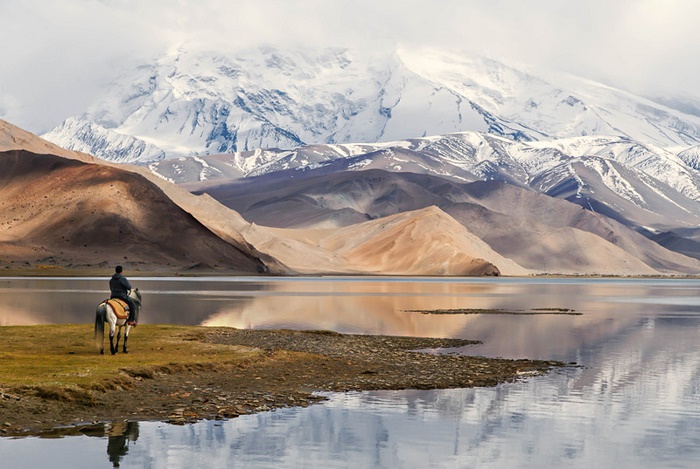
[[634, 402]]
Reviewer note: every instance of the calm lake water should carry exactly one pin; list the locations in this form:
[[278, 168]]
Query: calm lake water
[[635, 402]]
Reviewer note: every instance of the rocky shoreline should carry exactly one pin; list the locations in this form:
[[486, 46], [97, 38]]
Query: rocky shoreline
[[288, 368]]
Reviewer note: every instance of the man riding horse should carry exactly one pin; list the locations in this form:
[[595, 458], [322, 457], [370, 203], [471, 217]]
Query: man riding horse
[[119, 287]]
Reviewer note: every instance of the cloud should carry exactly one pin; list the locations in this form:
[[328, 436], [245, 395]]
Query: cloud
[[57, 55]]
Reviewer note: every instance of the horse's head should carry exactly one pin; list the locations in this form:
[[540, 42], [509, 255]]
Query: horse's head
[[135, 295]]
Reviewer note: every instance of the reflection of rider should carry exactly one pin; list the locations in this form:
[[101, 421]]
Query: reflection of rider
[[120, 287], [118, 442]]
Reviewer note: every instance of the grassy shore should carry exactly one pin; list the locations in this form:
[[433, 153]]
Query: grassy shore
[[59, 358], [53, 376]]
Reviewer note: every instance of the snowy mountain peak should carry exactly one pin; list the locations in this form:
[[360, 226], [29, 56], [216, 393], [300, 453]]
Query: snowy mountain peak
[[197, 103], [88, 137], [691, 157]]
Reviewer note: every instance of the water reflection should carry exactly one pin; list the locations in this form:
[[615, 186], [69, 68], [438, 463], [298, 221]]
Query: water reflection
[[120, 434], [381, 308], [376, 306], [74, 447], [635, 402], [30, 301]]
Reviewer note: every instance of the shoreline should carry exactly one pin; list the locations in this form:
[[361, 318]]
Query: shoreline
[[224, 373], [136, 272]]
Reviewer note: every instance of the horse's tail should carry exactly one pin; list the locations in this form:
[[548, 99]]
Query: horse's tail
[[100, 318]]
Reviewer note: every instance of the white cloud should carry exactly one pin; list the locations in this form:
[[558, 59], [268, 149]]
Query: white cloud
[[56, 55]]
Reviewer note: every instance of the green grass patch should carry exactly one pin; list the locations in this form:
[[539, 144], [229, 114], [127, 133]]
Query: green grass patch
[[62, 361]]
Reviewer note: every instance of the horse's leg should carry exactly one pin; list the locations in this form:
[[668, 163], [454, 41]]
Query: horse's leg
[[112, 321], [111, 342], [126, 337], [119, 335], [112, 330]]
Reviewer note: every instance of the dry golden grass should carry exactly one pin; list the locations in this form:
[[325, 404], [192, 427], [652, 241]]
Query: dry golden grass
[[61, 361]]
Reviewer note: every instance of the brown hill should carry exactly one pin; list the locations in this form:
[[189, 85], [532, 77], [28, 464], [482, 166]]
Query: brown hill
[[64, 212], [421, 242], [538, 232], [564, 236]]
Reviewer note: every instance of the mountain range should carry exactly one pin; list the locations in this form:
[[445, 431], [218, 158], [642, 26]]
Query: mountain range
[[194, 102], [65, 211], [349, 164], [539, 232], [654, 193], [196, 116], [618, 177]]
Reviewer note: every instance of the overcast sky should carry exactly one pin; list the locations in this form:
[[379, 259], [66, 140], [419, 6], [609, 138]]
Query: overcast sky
[[56, 54]]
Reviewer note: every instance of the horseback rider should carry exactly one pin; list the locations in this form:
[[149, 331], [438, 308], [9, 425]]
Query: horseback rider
[[119, 287]]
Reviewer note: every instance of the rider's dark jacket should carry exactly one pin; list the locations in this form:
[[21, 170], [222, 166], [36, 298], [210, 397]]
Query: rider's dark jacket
[[119, 286]]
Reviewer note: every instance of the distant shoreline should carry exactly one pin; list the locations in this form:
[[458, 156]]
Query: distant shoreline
[[136, 273]]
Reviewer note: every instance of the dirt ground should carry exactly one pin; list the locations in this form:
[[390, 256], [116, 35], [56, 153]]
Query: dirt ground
[[290, 366]]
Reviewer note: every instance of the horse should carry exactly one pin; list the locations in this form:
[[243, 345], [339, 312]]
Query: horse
[[105, 313]]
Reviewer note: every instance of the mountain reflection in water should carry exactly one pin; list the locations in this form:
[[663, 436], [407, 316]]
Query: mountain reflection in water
[[634, 402]]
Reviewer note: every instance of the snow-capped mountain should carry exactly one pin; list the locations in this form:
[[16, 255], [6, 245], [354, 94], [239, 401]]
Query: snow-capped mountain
[[196, 103], [636, 184], [87, 137], [691, 157], [199, 116]]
